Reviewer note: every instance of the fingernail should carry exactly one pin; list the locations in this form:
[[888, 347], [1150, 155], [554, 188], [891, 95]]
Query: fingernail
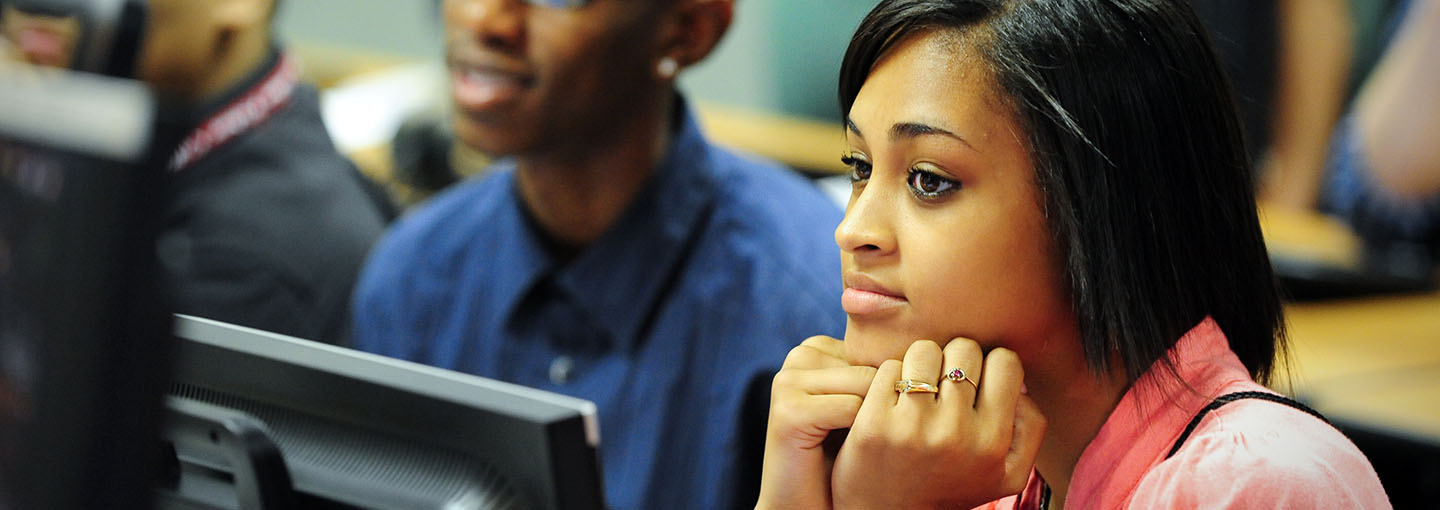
[[1023, 389]]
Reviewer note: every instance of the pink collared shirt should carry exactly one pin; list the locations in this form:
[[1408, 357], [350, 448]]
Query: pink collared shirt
[[1245, 454]]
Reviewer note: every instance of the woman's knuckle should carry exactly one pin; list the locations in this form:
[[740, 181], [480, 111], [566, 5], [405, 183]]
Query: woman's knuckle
[[1004, 357], [784, 379], [941, 442], [798, 355], [816, 341]]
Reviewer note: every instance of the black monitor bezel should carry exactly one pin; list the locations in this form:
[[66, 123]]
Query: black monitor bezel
[[547, 443]]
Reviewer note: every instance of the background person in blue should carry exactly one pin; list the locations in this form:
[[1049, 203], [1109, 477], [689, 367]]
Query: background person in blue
[[613, 254], [1383, 174]]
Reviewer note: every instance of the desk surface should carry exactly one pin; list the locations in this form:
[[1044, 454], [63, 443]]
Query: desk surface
[[1373, 360]]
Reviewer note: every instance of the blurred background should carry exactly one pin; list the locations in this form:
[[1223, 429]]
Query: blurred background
[[787, 52]]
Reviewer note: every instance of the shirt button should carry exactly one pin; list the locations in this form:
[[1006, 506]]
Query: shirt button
[[560, 370]]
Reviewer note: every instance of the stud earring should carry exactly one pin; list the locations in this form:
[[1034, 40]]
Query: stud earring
[[667, 67]]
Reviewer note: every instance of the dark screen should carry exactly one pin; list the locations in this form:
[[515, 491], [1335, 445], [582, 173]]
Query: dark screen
[[83, 338]]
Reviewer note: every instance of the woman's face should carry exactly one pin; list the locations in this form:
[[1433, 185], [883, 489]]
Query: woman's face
[[944, 235]]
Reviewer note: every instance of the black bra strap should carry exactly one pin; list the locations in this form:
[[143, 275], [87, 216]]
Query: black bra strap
[[1231, 397]]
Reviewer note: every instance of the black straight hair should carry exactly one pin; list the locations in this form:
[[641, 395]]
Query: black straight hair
[[1139, 155]]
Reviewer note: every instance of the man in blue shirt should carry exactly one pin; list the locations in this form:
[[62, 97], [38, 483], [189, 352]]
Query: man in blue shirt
[[614, 254]]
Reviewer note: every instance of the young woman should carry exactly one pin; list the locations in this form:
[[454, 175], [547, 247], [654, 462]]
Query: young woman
[[1055, 279]]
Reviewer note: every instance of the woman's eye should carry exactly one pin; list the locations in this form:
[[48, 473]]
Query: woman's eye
[[929, 185], [859, 168]]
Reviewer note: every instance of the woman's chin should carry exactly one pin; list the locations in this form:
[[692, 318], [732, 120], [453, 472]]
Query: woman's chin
[[871, 348]]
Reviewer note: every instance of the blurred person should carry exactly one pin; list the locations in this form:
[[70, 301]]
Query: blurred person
[[1316, 40], [1383, 175], [269, 224], [612, 254], [1057, 289], [38, 36]]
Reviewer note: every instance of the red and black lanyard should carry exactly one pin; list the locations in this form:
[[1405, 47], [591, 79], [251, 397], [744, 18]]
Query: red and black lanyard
[[244, 113]]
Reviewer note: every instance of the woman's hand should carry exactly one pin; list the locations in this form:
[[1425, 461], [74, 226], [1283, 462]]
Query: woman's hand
[[960, 448], [814, 393]]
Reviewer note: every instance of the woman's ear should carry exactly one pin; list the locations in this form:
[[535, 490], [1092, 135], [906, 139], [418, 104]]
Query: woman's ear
[[700, 24]]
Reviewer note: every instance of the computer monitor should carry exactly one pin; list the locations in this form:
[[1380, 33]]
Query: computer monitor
[[357, 429], [1382, 268], [82, 348]]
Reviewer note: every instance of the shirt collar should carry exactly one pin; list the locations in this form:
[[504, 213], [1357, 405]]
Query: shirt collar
[[1151, 415], [197, 113], [618, 279], [519, 246]]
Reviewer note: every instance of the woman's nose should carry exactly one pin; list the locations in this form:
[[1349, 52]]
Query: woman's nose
[[866, 229]]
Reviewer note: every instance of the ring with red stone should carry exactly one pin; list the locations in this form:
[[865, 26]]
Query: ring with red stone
[[958, 375]]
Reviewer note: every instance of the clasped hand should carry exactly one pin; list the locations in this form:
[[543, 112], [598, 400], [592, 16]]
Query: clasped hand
[[964, 446]]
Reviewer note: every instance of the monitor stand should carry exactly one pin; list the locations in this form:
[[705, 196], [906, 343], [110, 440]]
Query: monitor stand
[[222, 459]]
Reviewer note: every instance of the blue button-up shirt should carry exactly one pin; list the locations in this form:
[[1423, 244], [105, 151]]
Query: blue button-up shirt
[[673, 322]]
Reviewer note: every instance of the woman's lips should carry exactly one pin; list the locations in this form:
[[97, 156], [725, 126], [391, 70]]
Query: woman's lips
[[857, 301]]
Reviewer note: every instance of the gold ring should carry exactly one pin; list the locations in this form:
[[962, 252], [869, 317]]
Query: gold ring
[[914, 386], [957, 375]]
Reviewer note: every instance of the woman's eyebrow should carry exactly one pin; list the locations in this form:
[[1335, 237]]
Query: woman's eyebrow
[[918, 129], [911, 130], [850, 125]]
